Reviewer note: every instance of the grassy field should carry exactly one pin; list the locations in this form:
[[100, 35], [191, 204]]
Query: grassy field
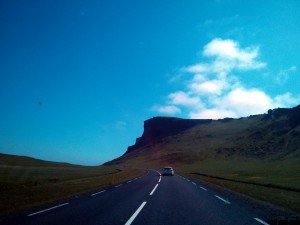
[[23, 187], [233, 151], [254, 149], [284, 173], [286, 199]]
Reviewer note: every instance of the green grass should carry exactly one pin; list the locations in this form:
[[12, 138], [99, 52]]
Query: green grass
[[249, 149], [187, 155], [281, 173], [23, 187], [286, 199], [254, 149]]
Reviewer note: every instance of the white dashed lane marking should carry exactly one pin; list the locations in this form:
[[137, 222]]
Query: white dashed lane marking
[[131, 219], [154, 189], [98, 193], [261, 221], [204, 189], [54, 207], [222, 199]]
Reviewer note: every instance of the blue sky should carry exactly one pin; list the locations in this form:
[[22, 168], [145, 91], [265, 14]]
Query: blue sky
[[78, 78]]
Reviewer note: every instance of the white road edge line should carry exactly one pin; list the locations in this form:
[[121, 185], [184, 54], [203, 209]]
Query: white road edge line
[[131, 219], [222, 199], [98, 193], [261, 221], [194, 183], [32, 214], [129, 181], [119, 185], [159, 179], [157, 172], [203, 188], [154, 189]]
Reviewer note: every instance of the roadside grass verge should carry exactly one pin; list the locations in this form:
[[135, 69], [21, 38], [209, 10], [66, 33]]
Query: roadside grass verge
[[287, 199], [24, 187], [277, 173]]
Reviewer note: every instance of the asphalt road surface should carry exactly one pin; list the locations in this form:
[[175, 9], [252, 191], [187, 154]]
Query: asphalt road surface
[[155, 200]]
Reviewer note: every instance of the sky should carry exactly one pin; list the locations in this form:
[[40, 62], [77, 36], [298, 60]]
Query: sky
[[78, 78]]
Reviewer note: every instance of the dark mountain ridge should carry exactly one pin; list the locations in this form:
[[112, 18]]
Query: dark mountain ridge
[[157, 128], [175, 140], [16, 160]]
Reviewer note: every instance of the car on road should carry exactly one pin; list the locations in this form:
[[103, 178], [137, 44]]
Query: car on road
[[168, 170]]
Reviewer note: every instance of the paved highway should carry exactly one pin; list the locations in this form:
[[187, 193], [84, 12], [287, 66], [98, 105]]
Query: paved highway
[[152, 199]]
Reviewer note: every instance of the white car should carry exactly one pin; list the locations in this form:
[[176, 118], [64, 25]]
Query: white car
[[167, 171]]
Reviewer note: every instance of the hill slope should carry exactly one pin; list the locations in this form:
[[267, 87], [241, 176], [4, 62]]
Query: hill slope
[[26, 182], [261, 149], [15, 160], [166, 140]]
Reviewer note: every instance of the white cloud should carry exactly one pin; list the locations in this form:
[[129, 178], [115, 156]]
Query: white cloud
[[247, 102], [211, 87], [286, 100], [211, 114], [214, 92], [182, 98], [283, 75], [221, 48], [199, 77], [168, 109], [241, 102], [226, 56], [230, 56], [198, 68]]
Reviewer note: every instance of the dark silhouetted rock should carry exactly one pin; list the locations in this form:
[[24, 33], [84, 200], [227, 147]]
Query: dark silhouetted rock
[[157, 128], [293, 114]]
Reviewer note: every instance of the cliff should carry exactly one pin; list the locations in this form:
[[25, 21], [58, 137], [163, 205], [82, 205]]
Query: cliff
[[260, 149], [292, 114], [157, 128]]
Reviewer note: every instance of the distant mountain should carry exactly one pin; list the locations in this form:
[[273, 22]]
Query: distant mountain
[[169, 140], [15, 160], [157, 128]]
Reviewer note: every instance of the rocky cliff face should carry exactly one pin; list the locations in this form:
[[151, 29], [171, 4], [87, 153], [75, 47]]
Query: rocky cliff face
[[274, 135], [157, 128], [293, 115]]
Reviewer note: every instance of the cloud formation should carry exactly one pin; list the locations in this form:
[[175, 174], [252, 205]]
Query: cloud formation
[[227, 56], [283, 75], [120, 125], [212, 90], [167, 109], [183, 99]]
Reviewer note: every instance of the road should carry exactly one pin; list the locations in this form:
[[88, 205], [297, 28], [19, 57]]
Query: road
[[152, 199]]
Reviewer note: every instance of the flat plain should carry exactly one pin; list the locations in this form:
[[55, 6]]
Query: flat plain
[[26, 182]]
